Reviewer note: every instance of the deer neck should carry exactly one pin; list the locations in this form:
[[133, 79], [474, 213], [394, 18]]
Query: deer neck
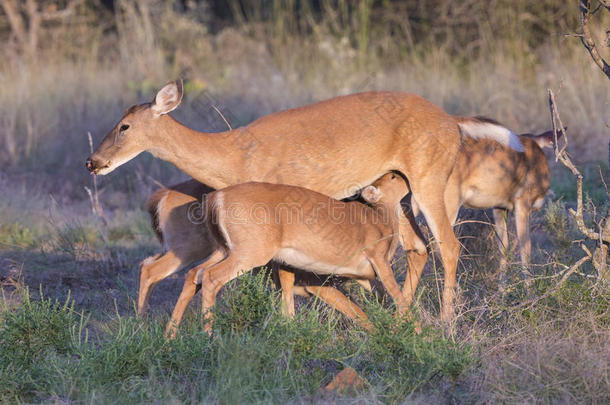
[[210, 158], [389, 216]]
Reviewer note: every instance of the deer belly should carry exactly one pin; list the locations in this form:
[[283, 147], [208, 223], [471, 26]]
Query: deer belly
[[355, 267], [480, 199]]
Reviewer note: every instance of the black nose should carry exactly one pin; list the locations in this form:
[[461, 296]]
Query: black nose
[[89, 165]]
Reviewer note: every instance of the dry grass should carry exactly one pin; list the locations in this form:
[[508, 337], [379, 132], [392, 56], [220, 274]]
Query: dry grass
[[493, 59]]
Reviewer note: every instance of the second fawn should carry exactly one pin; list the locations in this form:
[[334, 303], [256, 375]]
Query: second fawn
[[488, 174]]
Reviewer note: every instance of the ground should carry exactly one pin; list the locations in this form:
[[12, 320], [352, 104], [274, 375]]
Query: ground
[[69, 330]]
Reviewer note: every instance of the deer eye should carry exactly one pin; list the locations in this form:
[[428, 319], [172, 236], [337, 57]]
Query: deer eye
[[124, 127]]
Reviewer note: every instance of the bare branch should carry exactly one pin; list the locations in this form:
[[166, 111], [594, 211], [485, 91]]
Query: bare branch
[[96, 207], [14, 19], [562, 156], [566, 274], [605, 3], [67, 11], [27, 17], [587, 38], [223, 117]]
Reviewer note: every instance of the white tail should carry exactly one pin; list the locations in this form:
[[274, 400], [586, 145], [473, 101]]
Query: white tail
[[485, 128], [322, 235]]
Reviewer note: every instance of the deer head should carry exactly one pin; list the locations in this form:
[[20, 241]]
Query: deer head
[[135, 132], [389, 189]]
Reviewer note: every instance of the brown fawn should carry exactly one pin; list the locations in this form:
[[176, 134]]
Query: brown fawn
[[334, 147], [254, 223], [175, 218]]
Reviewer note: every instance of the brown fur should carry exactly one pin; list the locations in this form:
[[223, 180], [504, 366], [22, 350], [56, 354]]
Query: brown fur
[[172, 215], [490, 175], [332, 147], [309, 240]]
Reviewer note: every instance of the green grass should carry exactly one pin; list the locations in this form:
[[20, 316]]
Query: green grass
[[563, 183], [48, 352], [16, 234]]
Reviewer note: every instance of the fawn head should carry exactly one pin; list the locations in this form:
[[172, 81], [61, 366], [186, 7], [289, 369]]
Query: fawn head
[[389, 189], [545, 139]]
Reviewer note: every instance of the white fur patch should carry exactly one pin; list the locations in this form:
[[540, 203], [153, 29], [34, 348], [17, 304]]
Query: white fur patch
[[161, 210], [149, 260], [487, 130], [301, 260], [538, 203], [117, 163], [218, 205]]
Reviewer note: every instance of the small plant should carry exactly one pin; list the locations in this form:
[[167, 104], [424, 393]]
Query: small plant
[[404, 358], [35, 328], [75, 239], [16, 234], [246, 304], [30, 335], [129, 350], [558, 224]]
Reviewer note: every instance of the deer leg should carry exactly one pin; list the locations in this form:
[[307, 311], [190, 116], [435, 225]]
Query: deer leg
[[153, 270], [188, 291], [522, 220], [502, 234], [433, 207], [502, 238], [417, 254], [287, 285], [383, 270], [337, 300]]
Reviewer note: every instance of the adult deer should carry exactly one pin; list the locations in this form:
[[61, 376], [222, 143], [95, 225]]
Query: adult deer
[[488, 175], [176, 219], [254, 223], [334, 147]]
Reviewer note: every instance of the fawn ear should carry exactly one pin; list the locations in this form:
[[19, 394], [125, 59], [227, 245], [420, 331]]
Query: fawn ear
[[371, 194], [546, 139], [168, 98]]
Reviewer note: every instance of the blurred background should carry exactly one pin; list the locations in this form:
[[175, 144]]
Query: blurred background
[[73, 66]]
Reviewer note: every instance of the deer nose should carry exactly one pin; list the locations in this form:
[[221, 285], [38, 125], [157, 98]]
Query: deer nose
[[89, 165]]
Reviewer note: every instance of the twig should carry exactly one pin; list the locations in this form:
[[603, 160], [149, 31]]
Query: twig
[[562, 156], [601, 176], [223, 117], [587, 38], [566, 274], [94, 196]]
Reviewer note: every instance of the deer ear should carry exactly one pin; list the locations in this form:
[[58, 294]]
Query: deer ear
[[371, 194], [168, 98], [546, 139]]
